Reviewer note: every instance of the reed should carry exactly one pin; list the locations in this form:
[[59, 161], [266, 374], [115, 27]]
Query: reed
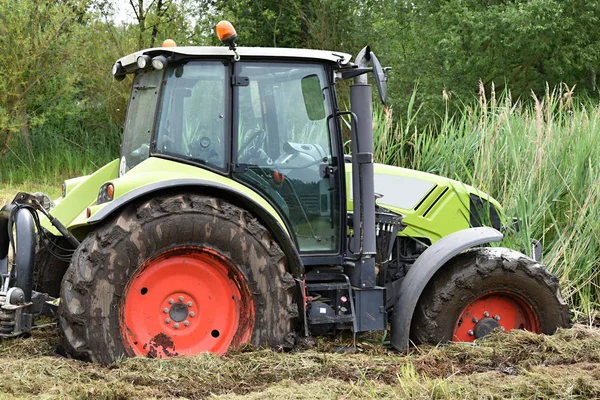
[[539, 158]]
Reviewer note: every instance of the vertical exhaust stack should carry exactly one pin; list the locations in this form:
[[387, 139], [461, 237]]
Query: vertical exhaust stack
[[363, 187]]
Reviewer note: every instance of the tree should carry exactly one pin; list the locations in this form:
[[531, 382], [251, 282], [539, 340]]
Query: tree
[[37, 48]]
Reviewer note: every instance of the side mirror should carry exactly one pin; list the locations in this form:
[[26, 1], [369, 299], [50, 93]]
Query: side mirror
[[313, 97], [380, 78]]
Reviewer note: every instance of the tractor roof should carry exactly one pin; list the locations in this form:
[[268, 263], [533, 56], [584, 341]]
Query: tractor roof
[[220, 51]]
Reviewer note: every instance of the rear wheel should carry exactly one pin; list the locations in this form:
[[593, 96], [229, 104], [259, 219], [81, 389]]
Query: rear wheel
[[484, 289], [176, 275]]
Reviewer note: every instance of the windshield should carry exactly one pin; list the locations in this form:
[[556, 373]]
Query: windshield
[[140, 118], [192, 122]]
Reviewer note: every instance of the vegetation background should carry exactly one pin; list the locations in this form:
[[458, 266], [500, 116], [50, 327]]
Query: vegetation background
[[500, 94]]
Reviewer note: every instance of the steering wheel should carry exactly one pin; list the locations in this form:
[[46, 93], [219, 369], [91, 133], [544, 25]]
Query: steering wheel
[[255, 140]]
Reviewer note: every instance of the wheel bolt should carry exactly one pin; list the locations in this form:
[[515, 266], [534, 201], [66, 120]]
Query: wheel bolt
[[186, 323], [486, 314], [497, 318], [180, 298], [168, 320], [470, 333], [171, 301], [475, 320], [165, 310], [502, 329], [192, 314], [176, 326], [189, 303]]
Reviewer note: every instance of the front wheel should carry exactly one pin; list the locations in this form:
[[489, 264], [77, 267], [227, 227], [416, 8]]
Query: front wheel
[[484, 289], [176, 275]]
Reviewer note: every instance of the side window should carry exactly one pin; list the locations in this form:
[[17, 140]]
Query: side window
[[140, 117], [192, 118]]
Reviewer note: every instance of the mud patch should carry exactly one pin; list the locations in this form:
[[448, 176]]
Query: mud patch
[[161, 346]]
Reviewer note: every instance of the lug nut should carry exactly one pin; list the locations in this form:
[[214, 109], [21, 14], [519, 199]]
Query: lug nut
[[168, 320], [192, 314], [171, 301], [486, 314], [475, 320], [470, 333], [497, 318], [186, 323], [502, 329], [165, 310], [176, 326], [189, 303], [180, 298]]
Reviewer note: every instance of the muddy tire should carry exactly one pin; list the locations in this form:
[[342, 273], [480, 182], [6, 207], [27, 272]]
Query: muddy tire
[[49, 270], [171, 259], [484, 289]]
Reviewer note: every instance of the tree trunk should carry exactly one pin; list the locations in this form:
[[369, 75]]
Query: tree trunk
[[159, 15]]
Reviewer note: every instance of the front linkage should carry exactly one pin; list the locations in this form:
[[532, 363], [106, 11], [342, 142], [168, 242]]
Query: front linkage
[[18, 301]]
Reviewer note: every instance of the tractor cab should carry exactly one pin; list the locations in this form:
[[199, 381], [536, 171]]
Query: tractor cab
[[267, 119]]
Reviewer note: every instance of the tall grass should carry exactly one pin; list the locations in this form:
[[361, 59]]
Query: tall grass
[[58, 153], [540, 160]]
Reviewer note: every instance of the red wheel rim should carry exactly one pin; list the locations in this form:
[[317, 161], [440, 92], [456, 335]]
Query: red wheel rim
[[186, 301], [496, 309]]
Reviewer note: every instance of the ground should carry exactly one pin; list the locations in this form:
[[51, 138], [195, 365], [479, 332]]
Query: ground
[[514, 365]]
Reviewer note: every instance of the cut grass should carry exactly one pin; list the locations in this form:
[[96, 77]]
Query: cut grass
[[519, 365]]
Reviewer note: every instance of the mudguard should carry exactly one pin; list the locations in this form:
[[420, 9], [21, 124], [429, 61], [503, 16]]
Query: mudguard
[[209, 187], [25, 251], [405, 296]]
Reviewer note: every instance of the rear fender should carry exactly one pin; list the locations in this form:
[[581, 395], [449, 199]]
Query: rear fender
[[271, 222], [25, 252], [404, 294]]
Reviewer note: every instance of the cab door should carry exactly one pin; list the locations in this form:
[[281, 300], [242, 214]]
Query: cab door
[[283, 147]]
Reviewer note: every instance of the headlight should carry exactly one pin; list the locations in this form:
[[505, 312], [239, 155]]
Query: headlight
[[143, 61], [159, 62], [483, 213], [118, 71]]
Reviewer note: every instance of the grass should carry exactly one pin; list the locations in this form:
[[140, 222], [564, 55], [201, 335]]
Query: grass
[[515, 365], [539, 159], [58, 153]]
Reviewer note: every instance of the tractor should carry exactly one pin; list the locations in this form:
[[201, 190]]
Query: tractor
[[233, 217]]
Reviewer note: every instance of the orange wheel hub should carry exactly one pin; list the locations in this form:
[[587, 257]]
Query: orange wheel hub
[[185, 301], [496, 309]]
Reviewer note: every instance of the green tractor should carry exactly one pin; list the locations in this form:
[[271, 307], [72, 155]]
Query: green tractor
[[233, 216]]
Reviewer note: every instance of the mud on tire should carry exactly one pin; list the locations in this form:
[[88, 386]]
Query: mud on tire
[[470, 276], [102, 266]]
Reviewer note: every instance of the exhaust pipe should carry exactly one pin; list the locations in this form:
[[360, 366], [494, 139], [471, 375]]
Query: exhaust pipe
[[363, 186]]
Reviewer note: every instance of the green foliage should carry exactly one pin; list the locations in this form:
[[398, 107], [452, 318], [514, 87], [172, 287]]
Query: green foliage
[[520, 45]]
